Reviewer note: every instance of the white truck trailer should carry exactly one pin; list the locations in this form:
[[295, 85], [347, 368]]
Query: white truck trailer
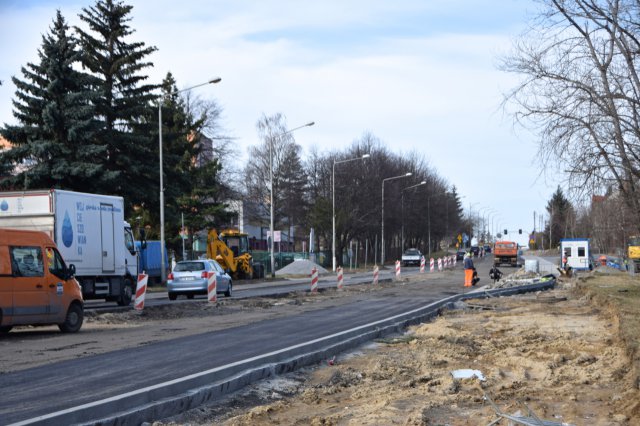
[[90, 232]]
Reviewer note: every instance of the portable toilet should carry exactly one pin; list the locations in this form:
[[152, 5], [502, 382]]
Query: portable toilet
[[577, 252]]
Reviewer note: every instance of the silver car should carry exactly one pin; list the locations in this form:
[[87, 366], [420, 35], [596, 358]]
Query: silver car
[[190, 277]]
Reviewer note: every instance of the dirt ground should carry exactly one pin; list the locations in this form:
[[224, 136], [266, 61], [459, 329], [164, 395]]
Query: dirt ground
[[555, 353], [552, 355]]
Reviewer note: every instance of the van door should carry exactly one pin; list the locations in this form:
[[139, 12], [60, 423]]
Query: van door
[[30, 291], [108, 242], [55, 276]]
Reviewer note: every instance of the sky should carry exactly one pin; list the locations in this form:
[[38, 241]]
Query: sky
[[420, 75]]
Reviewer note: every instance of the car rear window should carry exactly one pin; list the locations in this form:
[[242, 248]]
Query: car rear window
[[189, 266], [412, 252]]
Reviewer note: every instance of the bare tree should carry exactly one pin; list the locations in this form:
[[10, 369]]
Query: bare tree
[[278, 150], [580, 91]]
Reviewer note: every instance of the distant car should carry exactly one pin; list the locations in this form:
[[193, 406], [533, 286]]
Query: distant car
[[411, 256], [191, 277], [475, 250], [460, 254], [487, 248]]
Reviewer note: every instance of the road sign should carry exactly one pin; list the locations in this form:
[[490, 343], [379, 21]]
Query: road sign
[[459, 238]]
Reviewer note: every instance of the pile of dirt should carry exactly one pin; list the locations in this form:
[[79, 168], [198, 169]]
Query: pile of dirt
[[301, 267], [552, 353]]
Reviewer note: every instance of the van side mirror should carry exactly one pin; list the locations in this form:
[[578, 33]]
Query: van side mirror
[[71, 270]]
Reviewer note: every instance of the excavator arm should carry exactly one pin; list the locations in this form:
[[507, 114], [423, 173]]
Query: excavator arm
[[218, 250]]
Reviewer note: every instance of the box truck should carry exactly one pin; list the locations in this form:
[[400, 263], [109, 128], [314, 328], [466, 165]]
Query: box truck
[[90, 232]]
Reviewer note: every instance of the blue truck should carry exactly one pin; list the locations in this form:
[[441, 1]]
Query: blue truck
[[150, 260]]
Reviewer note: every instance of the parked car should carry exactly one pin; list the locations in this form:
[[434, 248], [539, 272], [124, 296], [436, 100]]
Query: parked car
[[191, 277], [475, 251], [411, 256], [487, 248], [460, 254]]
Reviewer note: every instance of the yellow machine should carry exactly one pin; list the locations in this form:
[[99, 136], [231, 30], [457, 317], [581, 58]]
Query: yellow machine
[[231, 250], [633, 254]]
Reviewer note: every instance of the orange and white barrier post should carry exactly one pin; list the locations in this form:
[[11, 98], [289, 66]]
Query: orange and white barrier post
[[340, 278], [432, 265], [397, 270], [141, 291], [375, 274], [422, 264], [439, 264], [212, 287], [455, 260], [314, 280]]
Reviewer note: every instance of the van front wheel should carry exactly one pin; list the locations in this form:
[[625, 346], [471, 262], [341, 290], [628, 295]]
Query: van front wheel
[[73, 321]]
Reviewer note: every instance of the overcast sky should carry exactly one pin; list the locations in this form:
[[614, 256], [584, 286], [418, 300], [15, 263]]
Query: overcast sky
[[420, 75]]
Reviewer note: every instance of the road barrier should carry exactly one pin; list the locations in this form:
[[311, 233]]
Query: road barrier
[[314, 280], [422, 264], [340, 278], [431, 265], [375, 274], [397, 270], [212, 287], [141, 291], [439, 264]]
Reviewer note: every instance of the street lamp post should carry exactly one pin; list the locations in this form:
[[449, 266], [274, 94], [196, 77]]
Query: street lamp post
[[383, 181], [215, 80], [333, 196], [273, 262], [424, 182]]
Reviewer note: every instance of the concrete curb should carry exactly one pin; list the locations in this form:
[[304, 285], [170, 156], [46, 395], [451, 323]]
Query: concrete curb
[[170, 398]]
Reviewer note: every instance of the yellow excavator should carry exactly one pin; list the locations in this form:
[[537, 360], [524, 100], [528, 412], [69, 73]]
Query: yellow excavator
[[231, 249]]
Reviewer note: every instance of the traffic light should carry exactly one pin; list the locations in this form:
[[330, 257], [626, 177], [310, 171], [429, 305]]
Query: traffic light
[[519, 231], [505, 231]]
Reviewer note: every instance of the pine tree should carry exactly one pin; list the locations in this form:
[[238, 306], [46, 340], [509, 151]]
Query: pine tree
[[53, 142], [561, 217], [124, 99]]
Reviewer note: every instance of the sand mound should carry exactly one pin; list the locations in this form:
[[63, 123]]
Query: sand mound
[[301, 267]]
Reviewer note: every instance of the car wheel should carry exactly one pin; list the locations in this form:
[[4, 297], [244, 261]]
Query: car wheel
[[229, 289], [126, 293], [172, 296], [73, 320], [5, 328]]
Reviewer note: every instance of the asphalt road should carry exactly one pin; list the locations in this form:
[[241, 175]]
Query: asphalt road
[[42, 390]]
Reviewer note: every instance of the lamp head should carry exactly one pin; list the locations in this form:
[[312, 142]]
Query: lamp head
[[215, 80]]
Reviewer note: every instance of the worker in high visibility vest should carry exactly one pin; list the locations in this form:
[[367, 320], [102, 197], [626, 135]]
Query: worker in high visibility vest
[[470, 274]]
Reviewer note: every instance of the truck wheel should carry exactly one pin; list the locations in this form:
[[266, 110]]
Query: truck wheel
[[73, 321], [126, 293]]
